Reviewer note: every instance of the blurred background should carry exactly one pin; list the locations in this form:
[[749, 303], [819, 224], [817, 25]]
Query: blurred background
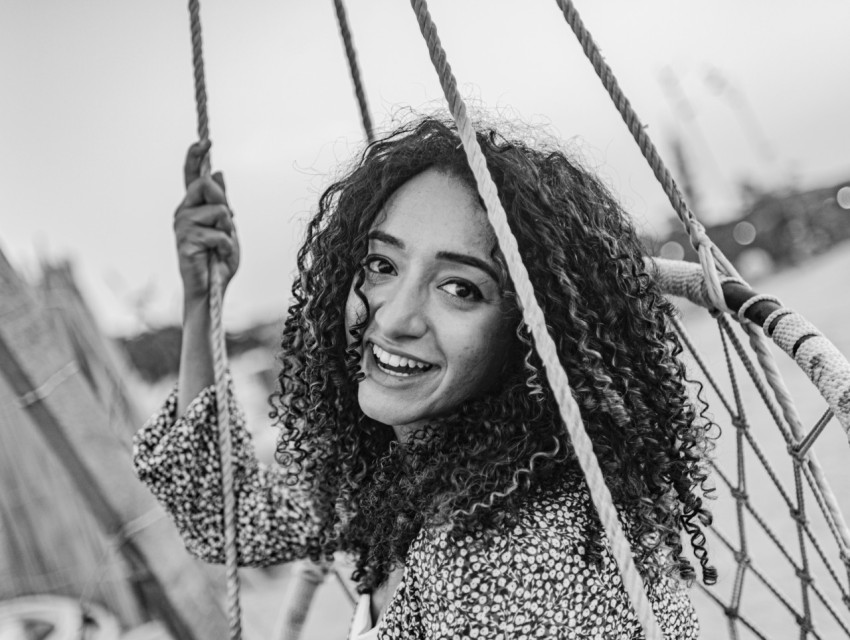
[[747, 102]]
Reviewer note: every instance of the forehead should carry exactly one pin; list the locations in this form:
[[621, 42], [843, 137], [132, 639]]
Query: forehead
[[435, 210]]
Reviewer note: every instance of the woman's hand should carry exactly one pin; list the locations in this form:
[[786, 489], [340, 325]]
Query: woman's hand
[[203, 225]]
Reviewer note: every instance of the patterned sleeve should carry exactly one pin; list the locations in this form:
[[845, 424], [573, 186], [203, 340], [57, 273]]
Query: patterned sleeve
[[532, 582], [179, 461]]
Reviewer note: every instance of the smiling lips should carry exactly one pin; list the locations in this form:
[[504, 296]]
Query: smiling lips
[[399, 366]]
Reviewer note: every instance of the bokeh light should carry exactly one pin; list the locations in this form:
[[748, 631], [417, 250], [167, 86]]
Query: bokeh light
[[843, 197], [672, 250], [744, 233]]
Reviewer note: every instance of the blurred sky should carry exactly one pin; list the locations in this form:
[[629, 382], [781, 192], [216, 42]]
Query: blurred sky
[[97, 108]]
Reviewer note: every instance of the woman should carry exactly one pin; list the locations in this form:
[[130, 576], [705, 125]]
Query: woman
[[418, 432]]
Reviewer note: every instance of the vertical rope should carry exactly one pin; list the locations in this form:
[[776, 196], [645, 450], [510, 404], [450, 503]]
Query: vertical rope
[[739, 491], [219, 354], [353, 68], [533, 316], [200, 82]]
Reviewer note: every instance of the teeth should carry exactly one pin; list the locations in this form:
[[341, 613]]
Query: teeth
[[393, 360]]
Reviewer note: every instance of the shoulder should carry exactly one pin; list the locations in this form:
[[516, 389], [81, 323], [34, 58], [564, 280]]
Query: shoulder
[[548, 527], [543, 550], [531, 578]]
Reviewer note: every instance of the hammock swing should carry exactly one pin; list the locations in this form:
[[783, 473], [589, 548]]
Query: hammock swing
[[714, 285]]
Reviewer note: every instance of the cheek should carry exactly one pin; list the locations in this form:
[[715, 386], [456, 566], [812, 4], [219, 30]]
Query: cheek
[[481, 354]]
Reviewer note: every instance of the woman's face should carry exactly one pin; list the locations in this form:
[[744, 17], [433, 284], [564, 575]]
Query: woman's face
[[440, 329]]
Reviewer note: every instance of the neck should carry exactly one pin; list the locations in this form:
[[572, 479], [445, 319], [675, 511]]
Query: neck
[[404, 432]]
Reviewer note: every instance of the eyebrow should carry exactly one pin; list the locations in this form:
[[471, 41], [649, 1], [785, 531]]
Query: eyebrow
[[386, 238], [461, 258], [471, 261]]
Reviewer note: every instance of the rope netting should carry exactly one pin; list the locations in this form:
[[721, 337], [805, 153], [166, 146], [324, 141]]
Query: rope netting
[[772, 472]]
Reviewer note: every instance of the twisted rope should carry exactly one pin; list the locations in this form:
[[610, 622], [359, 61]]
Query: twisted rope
[[533, 316], [219, 354], [709, 254], [200, 82], [354, 69]]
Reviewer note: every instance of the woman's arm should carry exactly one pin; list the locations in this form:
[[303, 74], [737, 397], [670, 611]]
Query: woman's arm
[[178, 458], [176, 452], [203, 229], [196, 363]]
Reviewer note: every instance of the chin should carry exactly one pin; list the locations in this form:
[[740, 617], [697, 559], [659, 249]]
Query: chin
[[389, 416], [386, 411]]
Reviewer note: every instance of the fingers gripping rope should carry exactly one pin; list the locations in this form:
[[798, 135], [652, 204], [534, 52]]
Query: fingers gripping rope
[[533, 316], [219, 356]]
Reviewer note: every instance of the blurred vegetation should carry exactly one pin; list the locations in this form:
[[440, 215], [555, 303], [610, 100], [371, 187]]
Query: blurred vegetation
[[156, 352]]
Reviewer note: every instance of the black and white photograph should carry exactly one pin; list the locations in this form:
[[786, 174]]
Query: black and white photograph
[[460, 319]]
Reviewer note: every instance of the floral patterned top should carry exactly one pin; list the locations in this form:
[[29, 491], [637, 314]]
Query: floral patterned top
[[527, 582]]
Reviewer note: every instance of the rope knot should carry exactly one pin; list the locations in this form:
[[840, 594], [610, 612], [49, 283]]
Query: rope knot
[[798, 516], [731, 612], [794, 451], [804, 576], [698, 236], [739, 422], [742, 558], [739, 494], [804, 623]]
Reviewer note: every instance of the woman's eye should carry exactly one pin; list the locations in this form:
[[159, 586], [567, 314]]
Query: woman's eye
[[377, 264], [462, 290]]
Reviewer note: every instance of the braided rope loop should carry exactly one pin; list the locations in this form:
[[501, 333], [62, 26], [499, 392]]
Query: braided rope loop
[[219, 354], [354, 69], [533, 316]]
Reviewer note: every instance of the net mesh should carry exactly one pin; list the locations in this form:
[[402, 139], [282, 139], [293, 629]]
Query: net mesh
[[779, 554]]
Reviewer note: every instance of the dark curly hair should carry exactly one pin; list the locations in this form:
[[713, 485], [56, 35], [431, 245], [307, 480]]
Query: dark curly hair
[[611, 327]]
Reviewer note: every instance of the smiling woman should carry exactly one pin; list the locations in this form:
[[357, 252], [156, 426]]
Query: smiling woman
[[418, 433]]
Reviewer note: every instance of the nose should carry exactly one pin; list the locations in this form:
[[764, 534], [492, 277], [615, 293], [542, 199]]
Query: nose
[[400, 311]]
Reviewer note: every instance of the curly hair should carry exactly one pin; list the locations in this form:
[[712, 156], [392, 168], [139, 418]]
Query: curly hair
[[612, 331]]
